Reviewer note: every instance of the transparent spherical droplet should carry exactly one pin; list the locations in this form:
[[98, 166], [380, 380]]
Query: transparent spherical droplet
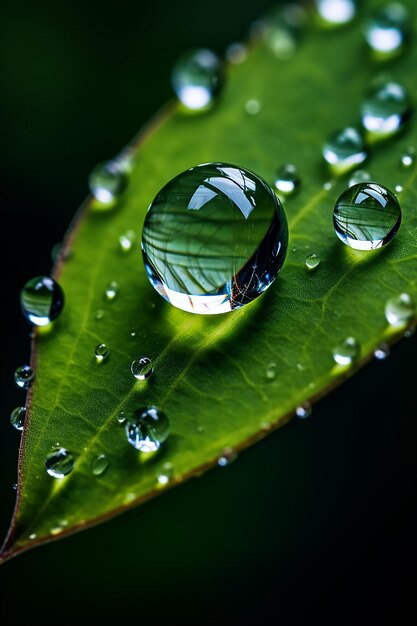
[[281, 40], [346, 352], [399, 188], [23, 376], [408, 157], [32, 536], [227, 456], [142, 368], [359, 176], [101, 352], [59, 463], [236, 53], [336, 12], [366, 216], [304, 410], [344, 150], [214, 239], [165, 474], [121, 417], [287, 180], [17, 417], [99, 314], [42, 300], [107, 181], [399, 310], [14, 486], [382, 352], [387, 30], [197, 79], [147, 429], [253, 106], [312, 261], [385, 111], [271, 371], [127, 240], [112, 290], [99, 465]]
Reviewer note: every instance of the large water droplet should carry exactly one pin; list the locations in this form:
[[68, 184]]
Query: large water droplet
[[99, 465], [23, 376], [59, 463], [101, 352], [165, 474], [312, 261], [387, 30], [287, 180], [197, 78], [360, 176], [400, 309], [336, 12], [147, 429], [107, 181], [214, 239], [112, 290], [142, 368], [366, 216], [347, 351], [42, 300], [127, 240], [17, 417], [385, 111], [344, 150]]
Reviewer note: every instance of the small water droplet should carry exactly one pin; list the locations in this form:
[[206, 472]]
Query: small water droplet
[[127, 240], [344, 150], [287, 180], [197, 79], [236, 53], [200, 429], [399, 188], [14, 486], [99, 314], [253, 106], [17, 417], [99, 465], [23, 376], [336, 12], [142, 368], [301, 367], [32, 536], [121, 417], [304, 410], [382, 352], [41, 300], [400, 309], [312, 261], [133, 332], [227, 456], [347, 351], [112, 290], [410, 332], [165, 474], [101, 352], [271, 371], [281, 41], [107, 181], [366, 216], [409, 157], [385, 111], [147, 429], [360, 176], [328, 185], [387, 30], [59, 463]]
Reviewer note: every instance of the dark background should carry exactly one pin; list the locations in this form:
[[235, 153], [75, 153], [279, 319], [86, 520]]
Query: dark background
[[315, 523]]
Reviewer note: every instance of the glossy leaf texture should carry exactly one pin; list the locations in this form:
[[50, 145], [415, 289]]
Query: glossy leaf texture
[[211, 372]]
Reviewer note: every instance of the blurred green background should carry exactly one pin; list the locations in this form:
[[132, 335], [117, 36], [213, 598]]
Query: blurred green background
[[316, 522]]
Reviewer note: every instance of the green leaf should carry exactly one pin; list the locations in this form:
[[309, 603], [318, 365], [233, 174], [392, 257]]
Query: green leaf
[[210, 372]]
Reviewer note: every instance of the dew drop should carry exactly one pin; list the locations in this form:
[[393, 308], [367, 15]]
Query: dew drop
[[23, 376], [14, 486], [400, 309], [101, 352], [253, 106], [107, 181], [409, 157], [387, 30], [133, 332], [360, 176], [336, 12], [165, 474], [236, 53], [99, 314], [385, 111], [281, 40], [399, 188], [200, 429], [142, 368], [121, 417], [382, 352], [227, 456], [41, 300], [312, 261], [243, 225], [271, 371], [99, 465], [147, 429], [112, 290], [59, 463], [17, 417], [32, 536], [366, 216], [304, 410], [127, 240], [197, 79], [347, 351], [328, 185], [344, 150], [287, 180]]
